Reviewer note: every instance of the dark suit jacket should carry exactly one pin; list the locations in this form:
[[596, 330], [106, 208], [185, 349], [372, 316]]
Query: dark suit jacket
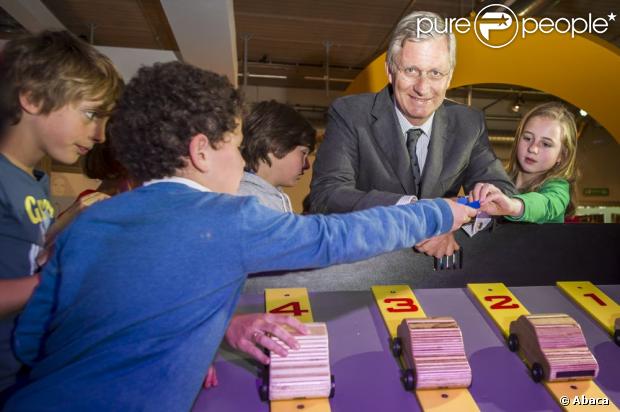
[[363, 161]]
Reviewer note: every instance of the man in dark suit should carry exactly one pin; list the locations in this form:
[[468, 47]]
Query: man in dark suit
[[406, 142]]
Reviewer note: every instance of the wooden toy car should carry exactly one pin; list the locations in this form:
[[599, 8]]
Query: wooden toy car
[[305, 372], [553, 346], [433, 353]]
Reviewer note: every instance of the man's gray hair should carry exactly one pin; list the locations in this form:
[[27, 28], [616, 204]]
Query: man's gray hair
[[418, 26]]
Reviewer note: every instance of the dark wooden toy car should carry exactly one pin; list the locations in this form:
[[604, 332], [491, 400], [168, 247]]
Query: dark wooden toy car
[[554, 347]]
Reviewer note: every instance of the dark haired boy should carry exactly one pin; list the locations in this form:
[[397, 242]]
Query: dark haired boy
[[276, 143], [55, 95], [138, 293]]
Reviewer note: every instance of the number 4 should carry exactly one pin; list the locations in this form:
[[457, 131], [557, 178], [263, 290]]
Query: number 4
[[296, 309]]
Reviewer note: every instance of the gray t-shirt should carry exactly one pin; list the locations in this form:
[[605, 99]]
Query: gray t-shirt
[[267, 194], [25, 215]]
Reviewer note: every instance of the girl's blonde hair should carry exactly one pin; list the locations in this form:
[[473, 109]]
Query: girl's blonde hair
[[566, 167]]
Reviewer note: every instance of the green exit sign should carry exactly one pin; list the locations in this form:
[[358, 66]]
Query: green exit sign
[[596, 191]]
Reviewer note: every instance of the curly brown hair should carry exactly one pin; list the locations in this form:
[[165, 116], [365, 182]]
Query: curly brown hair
[[55, 68], [162, 108]]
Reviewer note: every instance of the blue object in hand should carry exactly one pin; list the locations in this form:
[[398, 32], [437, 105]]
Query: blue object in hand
[[463, 201]]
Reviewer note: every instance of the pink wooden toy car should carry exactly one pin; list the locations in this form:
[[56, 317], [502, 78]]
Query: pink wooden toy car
[[433, 353], [305, 372]]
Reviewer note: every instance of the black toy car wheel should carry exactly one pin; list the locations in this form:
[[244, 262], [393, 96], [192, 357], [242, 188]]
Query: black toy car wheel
[[617, 337], [263, 389], [409, 379], [263, 392], [537, 372], [332, 391], [397, 347], [513, 342]]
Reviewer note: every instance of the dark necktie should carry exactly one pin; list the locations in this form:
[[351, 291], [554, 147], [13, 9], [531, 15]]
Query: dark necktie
[[412, 140]]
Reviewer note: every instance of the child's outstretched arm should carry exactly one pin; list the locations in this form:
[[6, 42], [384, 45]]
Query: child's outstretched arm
[[276, 241], [546, 205]]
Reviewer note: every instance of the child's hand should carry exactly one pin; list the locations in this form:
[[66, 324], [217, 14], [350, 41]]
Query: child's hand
[[246, 332], [462, 214], [82, 203], [211, 379], [72, 212], [498, 204], [481, 191], [64, 219], [494, 202]]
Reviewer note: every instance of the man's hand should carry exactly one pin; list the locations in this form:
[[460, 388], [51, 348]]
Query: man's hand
[[247, 332], [439, 246], [445, 245]]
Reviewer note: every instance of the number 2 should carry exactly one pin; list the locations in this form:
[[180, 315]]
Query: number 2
[[502, 304]]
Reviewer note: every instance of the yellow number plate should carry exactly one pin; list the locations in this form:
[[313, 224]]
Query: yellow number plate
[[596, 303]]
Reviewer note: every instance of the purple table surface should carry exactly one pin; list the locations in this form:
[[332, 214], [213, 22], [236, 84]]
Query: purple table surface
[[367, 376]]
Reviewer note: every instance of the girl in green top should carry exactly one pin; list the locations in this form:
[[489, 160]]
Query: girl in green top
[[542, 165]]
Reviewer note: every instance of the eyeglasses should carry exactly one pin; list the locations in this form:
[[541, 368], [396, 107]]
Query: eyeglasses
[[414, 73]]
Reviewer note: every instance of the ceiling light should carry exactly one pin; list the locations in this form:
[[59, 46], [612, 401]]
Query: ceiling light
[[265, 76], [331, 79], [518, 104]]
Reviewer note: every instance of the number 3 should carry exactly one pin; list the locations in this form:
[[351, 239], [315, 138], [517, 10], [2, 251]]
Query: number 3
[[402, 305]]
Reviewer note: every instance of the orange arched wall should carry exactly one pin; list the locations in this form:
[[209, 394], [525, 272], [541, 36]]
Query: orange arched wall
[[584, 71]]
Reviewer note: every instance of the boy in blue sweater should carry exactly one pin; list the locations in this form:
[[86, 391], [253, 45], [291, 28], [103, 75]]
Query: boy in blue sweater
[[136, 298]]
